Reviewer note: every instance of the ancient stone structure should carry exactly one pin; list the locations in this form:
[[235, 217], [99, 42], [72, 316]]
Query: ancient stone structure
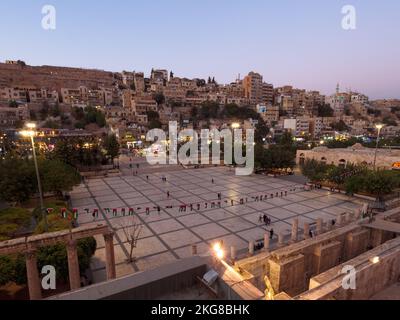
[[30, 245], [310, 269], [357, 154]]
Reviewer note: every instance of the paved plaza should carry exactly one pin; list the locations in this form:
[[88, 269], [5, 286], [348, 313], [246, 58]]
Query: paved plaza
[[169, 235]]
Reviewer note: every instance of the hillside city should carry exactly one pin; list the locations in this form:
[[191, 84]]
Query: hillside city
[[78, 196], [130, 103]]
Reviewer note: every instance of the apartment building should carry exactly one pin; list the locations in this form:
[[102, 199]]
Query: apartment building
[[13, 94], [42, 95], [217, 97], [159, 75], [127, 96], [299, 127], [287, 105], [268, 93], [174, 90], [128, 78], [253, 88], [234, 90], [10, 116], [74, 96], [316, 127], [142, 104], [358, 97], [138, 80], [269, 113], [240, 101]]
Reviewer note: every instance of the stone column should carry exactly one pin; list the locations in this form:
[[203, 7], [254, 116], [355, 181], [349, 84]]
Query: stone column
[[306, 230], [194, 250], [110, 257], [357, 213], [295, 229], [266, 242], [319, 226], [281, 241], [233, 253], [251, 248], [339, 220], [34, 286], [73, 266]]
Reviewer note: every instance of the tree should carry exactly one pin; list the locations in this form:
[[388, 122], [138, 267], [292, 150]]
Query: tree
[[194, 112], [325, 110], [231, 110], [155, 124], [58, 176], [314, 170], [12, 104], [17, 179], [56, 111], [44, 112], [132, 229], [51, 124], [159, 98], [389, 121], [152, 115], [340, 126], [381, 183], [32, 115], [261, 131], [111, 145], [209, 110]]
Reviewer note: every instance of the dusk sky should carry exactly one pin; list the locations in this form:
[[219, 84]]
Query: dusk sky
[[301, 43]]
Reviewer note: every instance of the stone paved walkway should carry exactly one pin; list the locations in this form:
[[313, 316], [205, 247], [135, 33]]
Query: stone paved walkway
[[169, 235]]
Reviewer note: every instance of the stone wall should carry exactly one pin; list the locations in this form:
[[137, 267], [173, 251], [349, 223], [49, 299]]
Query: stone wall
[[376, 270], [53, 77]]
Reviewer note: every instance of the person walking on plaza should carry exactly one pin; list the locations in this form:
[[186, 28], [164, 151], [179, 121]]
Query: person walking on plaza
[[219, 196], [168, 194], [147, 177], [271, 233], [212, 180]]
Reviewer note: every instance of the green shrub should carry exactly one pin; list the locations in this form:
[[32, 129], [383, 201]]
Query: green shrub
[[12, 220]]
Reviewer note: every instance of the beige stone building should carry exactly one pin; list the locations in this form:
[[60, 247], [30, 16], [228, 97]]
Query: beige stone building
[[11, 94], [253, 88], [142, 104], [357, 154], [10, 116]]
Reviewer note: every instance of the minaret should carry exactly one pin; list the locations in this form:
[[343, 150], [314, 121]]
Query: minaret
[[337, 88]]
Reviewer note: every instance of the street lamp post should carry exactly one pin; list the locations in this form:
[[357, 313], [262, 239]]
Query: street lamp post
[[379, 127], [30, 133]]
